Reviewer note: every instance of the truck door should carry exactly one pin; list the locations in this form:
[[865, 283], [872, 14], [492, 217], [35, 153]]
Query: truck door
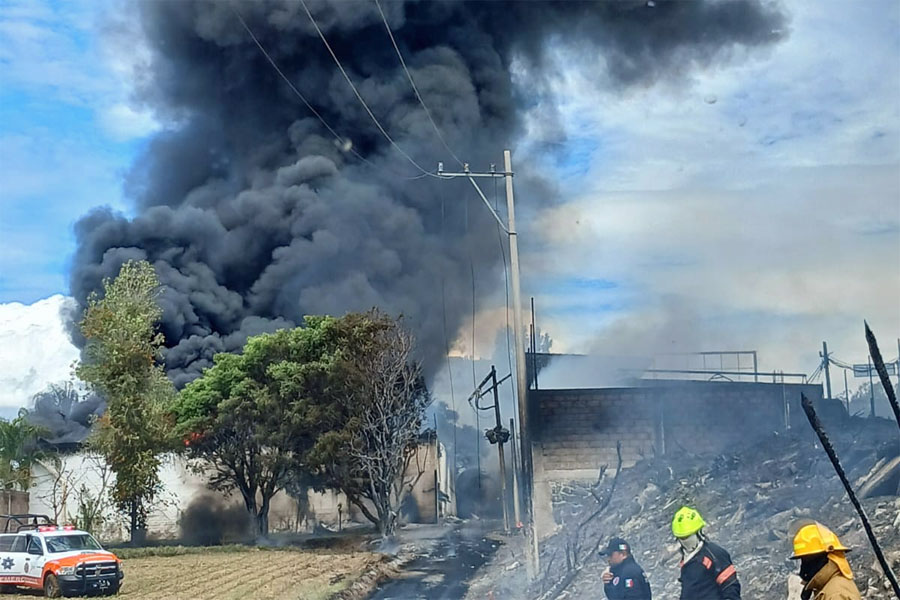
[[33, 563], [12, 559]]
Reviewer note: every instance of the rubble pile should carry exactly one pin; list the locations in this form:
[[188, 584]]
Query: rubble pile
[[753, 499]]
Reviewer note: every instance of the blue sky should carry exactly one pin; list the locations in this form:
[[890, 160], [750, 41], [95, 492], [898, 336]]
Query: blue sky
[[67, 135], [755, 205]]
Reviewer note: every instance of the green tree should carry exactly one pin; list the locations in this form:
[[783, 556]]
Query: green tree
[[251, 417], [121, 363], [19, 451]]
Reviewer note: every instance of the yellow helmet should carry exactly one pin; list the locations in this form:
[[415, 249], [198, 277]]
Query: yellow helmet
[[687, 522], [815, 538]]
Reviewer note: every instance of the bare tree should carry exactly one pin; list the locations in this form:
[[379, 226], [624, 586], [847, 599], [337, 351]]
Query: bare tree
[[62, 485], [93, 503], [389, 399]]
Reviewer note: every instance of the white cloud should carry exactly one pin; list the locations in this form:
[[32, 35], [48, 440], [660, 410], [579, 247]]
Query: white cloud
[[768, 219], [34, 348], [122, 122], [84, 54]]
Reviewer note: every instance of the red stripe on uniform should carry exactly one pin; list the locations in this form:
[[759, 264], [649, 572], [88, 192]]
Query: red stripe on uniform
[[725, 574]]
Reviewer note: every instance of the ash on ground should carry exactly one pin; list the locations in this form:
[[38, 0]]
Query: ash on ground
[[753, 499]]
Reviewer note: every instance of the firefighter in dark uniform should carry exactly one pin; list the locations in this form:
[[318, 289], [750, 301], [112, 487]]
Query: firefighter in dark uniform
[[706, 569], [625, 579]]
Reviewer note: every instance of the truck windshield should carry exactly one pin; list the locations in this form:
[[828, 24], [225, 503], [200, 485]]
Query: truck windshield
[[68, 543]]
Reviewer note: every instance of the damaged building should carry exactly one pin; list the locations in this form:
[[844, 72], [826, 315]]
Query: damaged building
[[738, 448], [576, 431]]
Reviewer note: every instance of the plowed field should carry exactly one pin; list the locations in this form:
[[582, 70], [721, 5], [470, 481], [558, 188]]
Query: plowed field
[[241, 575]]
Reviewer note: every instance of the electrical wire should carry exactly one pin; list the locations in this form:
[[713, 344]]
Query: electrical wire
[[343, 143], [293, 88], [360, 98], [472, 274], [414, 87], [474, 376], [447, 342], [816, 373], [839, 363]]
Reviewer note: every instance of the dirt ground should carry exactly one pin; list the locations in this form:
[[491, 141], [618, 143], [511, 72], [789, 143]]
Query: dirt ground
[[243, 575]]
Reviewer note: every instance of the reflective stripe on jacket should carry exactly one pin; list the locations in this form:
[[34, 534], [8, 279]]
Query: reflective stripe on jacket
[[709, 575]]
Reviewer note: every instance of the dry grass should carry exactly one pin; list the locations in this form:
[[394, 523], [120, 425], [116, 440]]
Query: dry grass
[[251, 574]]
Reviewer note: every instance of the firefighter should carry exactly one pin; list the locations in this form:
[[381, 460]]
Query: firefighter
[[625, 579], [706, 569], [824, 570]]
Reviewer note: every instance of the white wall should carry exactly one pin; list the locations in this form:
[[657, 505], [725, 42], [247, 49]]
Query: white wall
[[182, 485]]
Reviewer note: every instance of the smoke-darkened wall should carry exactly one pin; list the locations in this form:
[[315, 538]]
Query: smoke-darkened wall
[[254, 217]]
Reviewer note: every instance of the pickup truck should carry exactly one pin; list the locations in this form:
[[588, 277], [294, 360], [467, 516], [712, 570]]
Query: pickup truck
[[59, 560]]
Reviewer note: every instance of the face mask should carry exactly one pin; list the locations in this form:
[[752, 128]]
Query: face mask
[[811, 565], [690, 543]]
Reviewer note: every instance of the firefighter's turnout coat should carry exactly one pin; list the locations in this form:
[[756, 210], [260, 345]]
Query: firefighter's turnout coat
[[830, 584], [708, 574]]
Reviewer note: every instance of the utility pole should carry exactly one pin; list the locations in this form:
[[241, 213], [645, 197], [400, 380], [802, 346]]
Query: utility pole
[[437, 467], [827, 371], [515, 471], [871, 391], [531, 544], [846, 391], [478, 446], [531, 539], [497, 434]]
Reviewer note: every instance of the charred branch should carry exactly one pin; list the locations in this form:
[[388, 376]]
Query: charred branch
[[875, 353], [832, 456]]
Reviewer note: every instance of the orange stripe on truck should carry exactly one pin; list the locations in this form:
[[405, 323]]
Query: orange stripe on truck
[[725, 574]]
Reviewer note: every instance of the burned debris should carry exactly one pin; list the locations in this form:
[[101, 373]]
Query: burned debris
[[754, 498]]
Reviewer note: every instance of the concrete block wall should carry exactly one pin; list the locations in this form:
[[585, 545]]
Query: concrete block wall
[[574, 432], [580, 428]]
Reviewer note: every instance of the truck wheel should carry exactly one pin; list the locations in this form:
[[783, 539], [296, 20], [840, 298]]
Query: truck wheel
[[113, 590], [51, 587]]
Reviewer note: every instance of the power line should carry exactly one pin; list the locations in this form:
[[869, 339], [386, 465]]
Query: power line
[[816, 373], [343, 143], [447, 342], [413, 84], [360, 98], [474, 376], [290, 84]]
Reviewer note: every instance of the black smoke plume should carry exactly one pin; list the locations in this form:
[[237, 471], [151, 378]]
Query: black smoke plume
[[64, 415], [209, 521], [254, 217]]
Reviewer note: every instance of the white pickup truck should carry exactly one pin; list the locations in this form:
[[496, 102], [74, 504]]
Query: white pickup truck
[[59, 560]]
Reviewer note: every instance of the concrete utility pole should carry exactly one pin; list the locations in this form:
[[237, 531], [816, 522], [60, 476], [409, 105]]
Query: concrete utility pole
[[827, 370], [531, 537], [846, 391], [515, 471]]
